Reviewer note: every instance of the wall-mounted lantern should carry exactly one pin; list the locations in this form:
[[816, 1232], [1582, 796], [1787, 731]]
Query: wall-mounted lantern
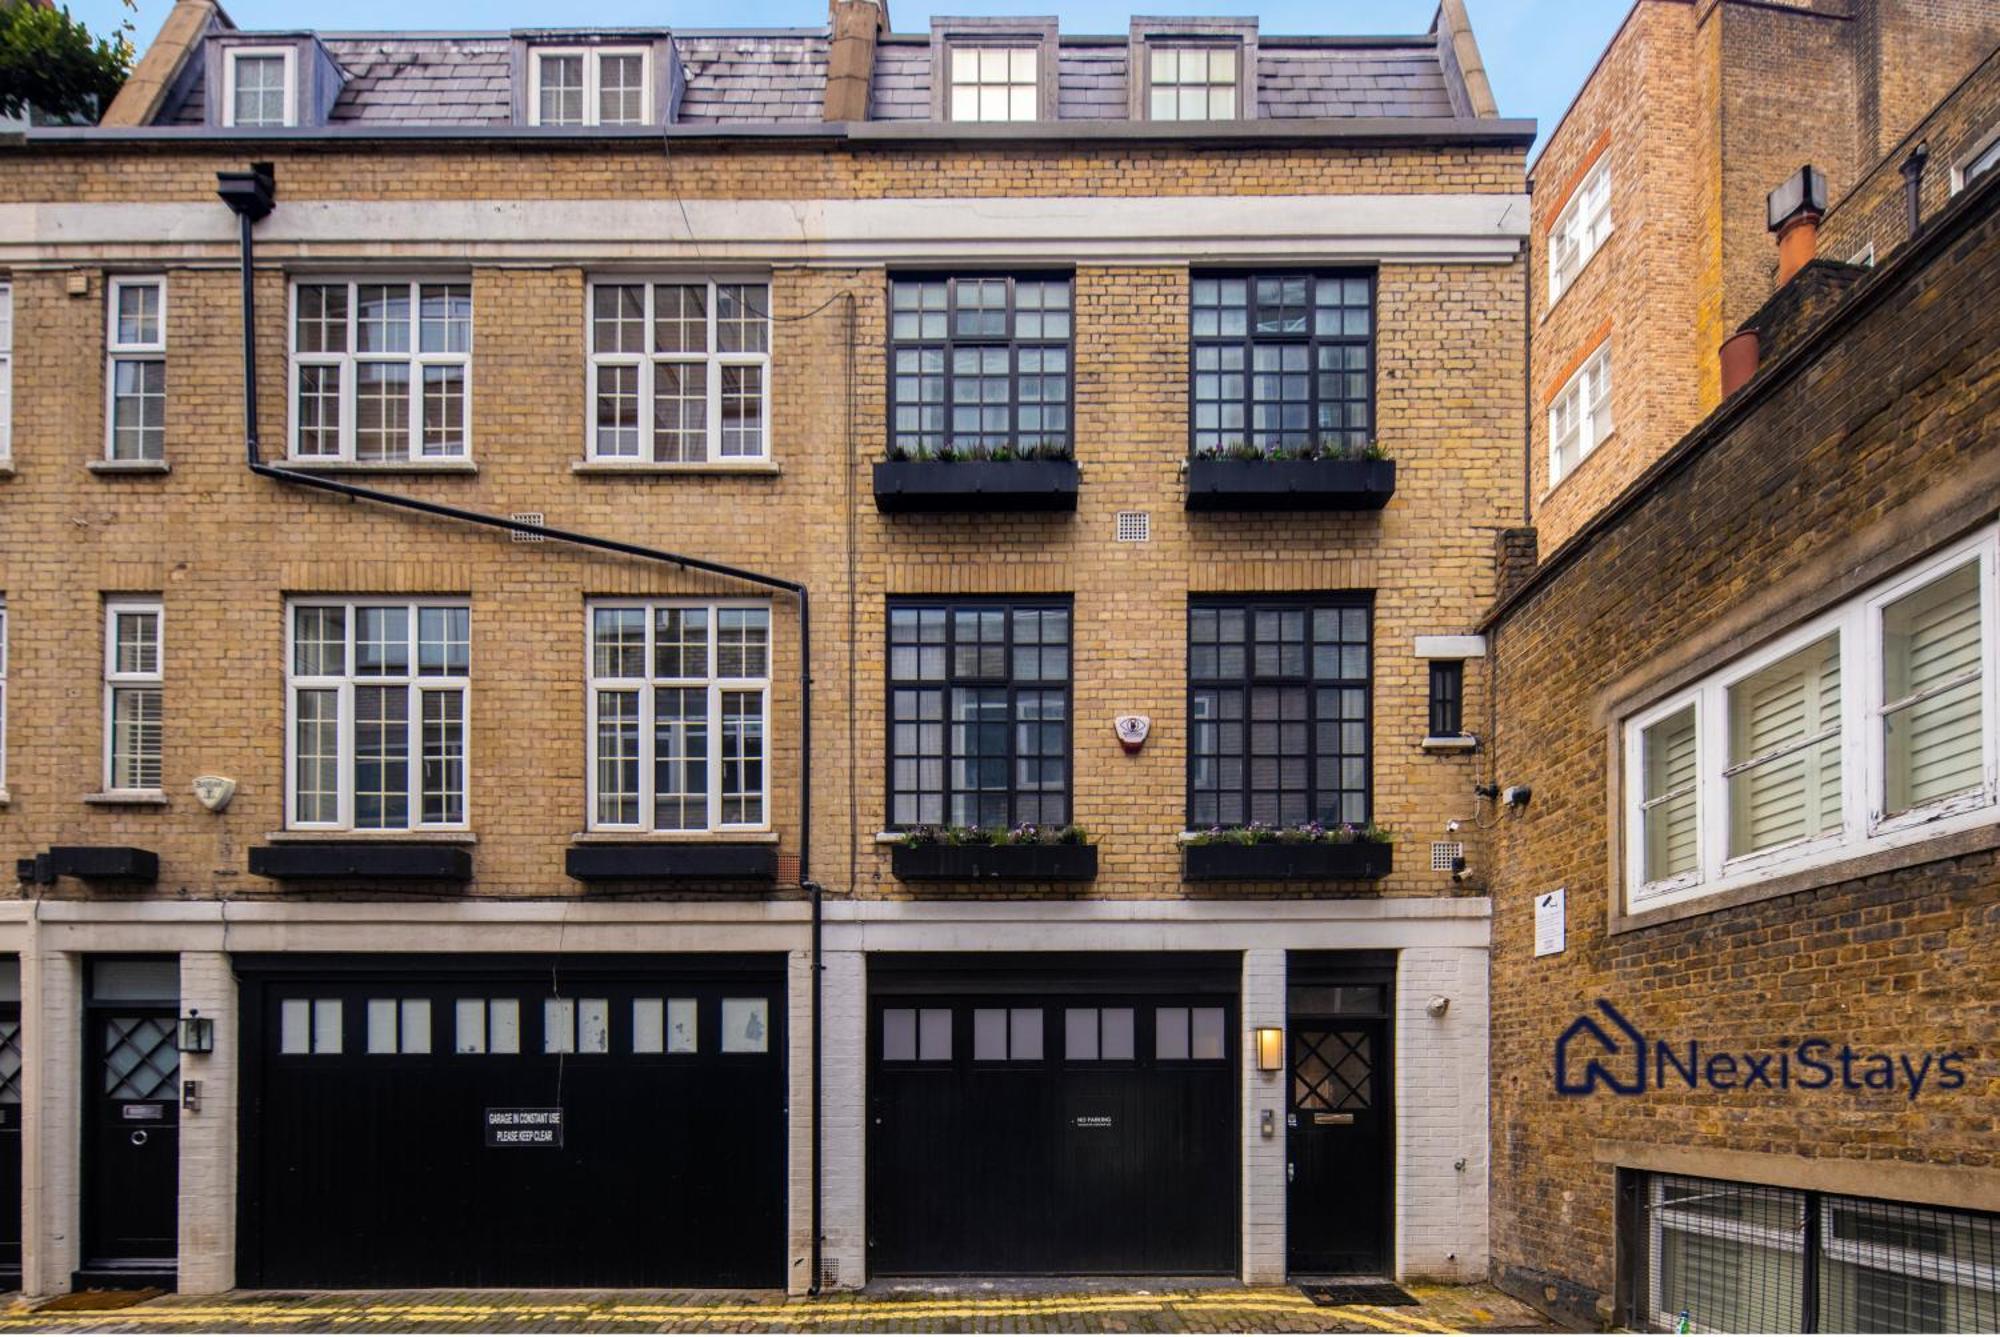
[[1270, 1048], [196, 1033]]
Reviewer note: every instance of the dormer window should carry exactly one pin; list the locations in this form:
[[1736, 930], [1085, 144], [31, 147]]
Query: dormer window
[[261, 86], [590, 86], [994, 83], [1192, 83]]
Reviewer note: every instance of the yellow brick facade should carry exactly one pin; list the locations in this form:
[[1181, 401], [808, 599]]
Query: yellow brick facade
[[224, 549]]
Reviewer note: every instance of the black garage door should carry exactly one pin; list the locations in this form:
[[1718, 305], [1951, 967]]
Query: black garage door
[[1053, 1115], [513, 1122]]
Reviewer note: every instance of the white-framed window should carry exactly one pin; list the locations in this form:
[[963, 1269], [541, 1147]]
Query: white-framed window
[[381, 370], [1978, 163], [260, 86], [1580, 414], [3, 696], [994, 83], [135, 373], [1579, 230], [603, 85], [1866, 728], [680, 371], [134, 678], [376, 706], [1192, 83], [6, 372], [679, 716]]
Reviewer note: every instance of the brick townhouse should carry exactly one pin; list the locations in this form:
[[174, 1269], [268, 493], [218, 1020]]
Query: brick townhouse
[[1649, 249], [692, 478], [1745, 1056]]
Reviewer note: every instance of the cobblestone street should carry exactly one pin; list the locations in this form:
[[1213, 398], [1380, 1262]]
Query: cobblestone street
[[962, 1309]]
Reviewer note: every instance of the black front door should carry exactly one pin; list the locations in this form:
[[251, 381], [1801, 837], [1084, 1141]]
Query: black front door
[[131, 1184], [1338, 1145], [1032, 1117]]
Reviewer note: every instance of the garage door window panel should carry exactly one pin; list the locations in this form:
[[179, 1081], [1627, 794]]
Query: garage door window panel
[[399, 1026], [1099, 1034], [309, 1026], [1190, 1033], [665, 1026], [916, 1035], [576, 1026], [488, 1026], [1006, 1035]]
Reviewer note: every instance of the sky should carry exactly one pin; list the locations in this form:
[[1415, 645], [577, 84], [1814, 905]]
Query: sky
[[1537, 51]]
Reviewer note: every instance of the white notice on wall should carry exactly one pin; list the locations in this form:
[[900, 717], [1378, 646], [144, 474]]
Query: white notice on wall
[[1549, 923]]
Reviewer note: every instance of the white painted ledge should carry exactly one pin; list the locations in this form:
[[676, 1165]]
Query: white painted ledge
[[1445, 227]]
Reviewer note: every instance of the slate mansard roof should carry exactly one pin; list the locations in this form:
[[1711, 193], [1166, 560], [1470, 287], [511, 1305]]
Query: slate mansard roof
[[778, 77]]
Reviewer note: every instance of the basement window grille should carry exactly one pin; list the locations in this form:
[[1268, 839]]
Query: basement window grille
[[526, 518], [1445, 855], [1730, 1257], [1135, 526]]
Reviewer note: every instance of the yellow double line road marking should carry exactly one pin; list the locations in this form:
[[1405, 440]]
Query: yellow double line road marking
[[809, 1313]]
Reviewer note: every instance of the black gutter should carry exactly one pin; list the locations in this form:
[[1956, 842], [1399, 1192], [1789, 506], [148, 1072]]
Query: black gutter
[[1427, 130], [251, 196]]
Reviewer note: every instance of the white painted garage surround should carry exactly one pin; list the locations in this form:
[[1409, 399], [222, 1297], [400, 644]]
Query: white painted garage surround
[[1440, 1071]]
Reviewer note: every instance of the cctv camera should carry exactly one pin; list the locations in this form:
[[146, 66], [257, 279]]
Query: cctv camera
[[1462, 872], [1451, 825]]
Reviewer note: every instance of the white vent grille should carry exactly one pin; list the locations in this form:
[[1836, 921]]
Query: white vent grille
[[1135, 526], [1445, 855], [526, 518]]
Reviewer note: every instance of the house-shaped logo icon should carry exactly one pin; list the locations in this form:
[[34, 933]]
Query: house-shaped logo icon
[[1589, 1044]]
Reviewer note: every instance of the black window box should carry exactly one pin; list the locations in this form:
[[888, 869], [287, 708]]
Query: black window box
[[104, 863], [660, 863], [994, 863], [1290, 485], [1316, 861], [362, 861], [908, 486]]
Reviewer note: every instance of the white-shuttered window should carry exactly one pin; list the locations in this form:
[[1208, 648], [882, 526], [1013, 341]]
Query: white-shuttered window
[[1784, 750], [1867, 728], [1667, 803]]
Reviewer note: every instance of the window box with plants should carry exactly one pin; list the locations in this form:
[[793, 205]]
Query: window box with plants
[[961, 479], [1240, 476], [1306, 853], [973, 854]]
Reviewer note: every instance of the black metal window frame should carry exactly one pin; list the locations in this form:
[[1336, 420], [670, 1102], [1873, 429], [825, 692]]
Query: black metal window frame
[[919, 443], [1447, 698], [1746, 1256], [1311, 685], [1016, 797], [1210, 346]]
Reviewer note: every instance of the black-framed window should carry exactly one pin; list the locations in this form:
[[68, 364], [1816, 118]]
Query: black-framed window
[[1279, 711], [979, 712], [1282, 361], [981, 365], [1447, 697]]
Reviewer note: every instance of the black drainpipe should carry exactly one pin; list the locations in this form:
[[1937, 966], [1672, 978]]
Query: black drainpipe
[[251, 196], [1913, 186]]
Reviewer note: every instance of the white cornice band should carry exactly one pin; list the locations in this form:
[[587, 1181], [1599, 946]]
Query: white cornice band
[[1457, 228]]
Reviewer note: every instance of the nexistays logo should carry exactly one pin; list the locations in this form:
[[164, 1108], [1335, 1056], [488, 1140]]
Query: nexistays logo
[[1616, 1057]]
